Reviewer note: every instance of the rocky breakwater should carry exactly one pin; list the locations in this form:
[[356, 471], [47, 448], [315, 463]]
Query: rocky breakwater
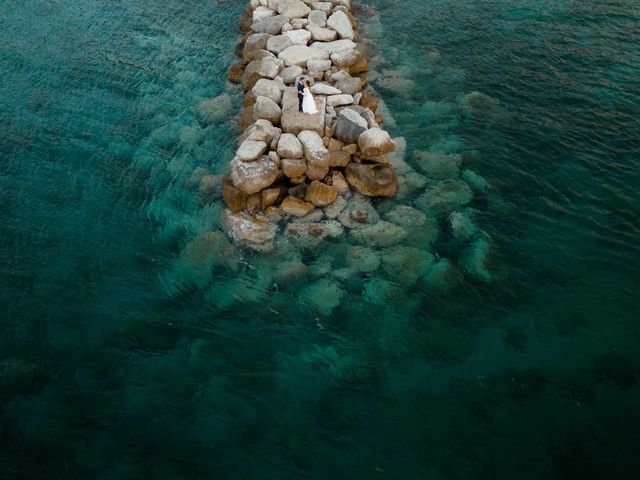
[[294, 170]]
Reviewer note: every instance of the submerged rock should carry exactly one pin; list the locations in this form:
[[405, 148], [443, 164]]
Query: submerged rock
[[359, 213], [248, 230], [445, 196], [474, 259], [421, 229], [311, 235], [406, 264], [215, 110], [372, 180], [439, 166], [323, 296], [381, 234], [362, 259]]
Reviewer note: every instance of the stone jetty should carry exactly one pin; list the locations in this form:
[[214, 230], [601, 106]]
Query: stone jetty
[[292, 168]]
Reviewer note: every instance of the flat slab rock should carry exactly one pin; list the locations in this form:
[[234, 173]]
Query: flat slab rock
[[294, 121], [251, 231]]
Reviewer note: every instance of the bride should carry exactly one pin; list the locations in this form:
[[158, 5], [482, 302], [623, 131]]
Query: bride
[[308, 103]]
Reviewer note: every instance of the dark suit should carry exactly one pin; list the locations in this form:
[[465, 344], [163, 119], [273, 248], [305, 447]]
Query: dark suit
[[300, 88]]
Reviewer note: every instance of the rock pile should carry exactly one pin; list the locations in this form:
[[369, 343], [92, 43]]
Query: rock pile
[[292, 164]]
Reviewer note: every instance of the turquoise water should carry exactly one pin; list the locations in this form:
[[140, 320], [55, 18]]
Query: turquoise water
[[129, 350]]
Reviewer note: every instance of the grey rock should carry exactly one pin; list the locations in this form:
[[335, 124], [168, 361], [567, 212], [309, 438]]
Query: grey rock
[[340, 22], [350, 126]]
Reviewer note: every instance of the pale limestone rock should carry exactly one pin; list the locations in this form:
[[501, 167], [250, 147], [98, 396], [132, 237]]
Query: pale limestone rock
[[314, 150], [261, 13], [278, 43], [257, 69], [321, 34], [290, 74], [262, 130], [339, 100], [351, 85], [322, 6], [324, 89], [374, 142], [268, 88], [250, 150], [299, 23], [290, 147], [271, 25], [251, 177], [318, 67], [294, 121], [289, 8], [299, 37], [301, 54], [318, 18], [267, 109], [341, 23], [255, 42], [336, 46]]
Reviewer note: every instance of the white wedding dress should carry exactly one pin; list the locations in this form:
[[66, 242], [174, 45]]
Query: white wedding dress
[[308, 103]]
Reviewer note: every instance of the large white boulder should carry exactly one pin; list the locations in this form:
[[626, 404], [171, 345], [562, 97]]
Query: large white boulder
[[322, 34], [289, 8], [289, 146], [250, 150], [337, 46], [301, 54], [267, 109], [314, 149], [278, 43], [268, 88], [374, 142], [340, 22], [298, 37], [252, 177]]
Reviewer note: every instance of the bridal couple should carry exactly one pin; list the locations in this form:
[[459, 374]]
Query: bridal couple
[[306, 103]]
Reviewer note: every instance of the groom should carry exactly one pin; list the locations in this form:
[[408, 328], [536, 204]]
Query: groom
[[300, 87]]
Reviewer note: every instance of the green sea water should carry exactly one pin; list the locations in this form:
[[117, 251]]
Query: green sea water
[[129, 349]]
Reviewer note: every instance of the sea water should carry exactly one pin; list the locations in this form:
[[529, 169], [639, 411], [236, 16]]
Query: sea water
[[132, 348]]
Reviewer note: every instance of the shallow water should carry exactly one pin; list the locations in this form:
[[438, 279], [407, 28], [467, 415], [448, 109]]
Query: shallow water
[[128, 350]]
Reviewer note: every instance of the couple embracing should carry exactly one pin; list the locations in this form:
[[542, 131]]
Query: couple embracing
[[306, 103]]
